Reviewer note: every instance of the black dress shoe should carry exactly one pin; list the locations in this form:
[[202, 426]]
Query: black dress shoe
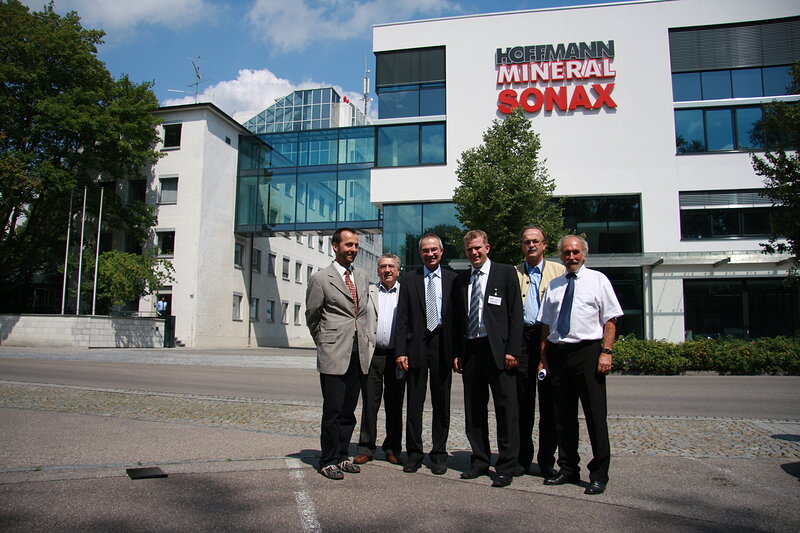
[[473, 474], [519, 471], [502, 480], [439, 468], [547, 471], [411, 467], [562, 479], [595, 487]]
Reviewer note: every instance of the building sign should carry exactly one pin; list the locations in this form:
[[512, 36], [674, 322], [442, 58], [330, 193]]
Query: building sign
[[562, 76]]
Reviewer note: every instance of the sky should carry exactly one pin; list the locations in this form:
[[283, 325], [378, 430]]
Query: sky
[[250, 52]]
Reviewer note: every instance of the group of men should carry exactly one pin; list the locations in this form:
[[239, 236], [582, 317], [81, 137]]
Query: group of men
[[515, 332]]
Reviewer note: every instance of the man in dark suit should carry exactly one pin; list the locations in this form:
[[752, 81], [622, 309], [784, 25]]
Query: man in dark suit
[[336, 314], [489, 314], [424, 346]]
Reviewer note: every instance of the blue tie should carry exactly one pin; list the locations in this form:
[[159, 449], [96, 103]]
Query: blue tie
[[562, 326]]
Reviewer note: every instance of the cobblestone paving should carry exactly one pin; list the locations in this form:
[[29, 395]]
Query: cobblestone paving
[[630, 435]]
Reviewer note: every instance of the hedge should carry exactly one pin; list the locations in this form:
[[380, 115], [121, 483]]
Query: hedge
[[768, 355]]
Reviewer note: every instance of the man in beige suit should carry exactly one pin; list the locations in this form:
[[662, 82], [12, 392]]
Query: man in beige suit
[[534, 276], [336, 314]]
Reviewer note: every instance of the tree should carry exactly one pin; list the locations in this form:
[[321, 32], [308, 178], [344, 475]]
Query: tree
[[65, 123], [504, 187], [781, 172], [122, 277]]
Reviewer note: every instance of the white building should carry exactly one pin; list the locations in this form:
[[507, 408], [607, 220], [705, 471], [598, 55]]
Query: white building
[[644, 111]]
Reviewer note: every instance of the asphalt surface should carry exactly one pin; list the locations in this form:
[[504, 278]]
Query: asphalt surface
[[238, 461]]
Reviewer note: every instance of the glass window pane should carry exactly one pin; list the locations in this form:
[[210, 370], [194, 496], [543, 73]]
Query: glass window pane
[[746, 82], [713, 308], [318, 148], [433, 144], [686, 87], [695, 224], [398, 146], [402, 228], [356, 145], [440, 218], [725, 222], [284, 149], [278, 193], [716, 84], [756, 221], [777, 80], [432, 101], [354, 202], [748, 128], [398, 103], [689, 131], [719, 129], [319, 204]]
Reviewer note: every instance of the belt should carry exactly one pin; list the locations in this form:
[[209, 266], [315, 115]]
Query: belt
[[384, 351]]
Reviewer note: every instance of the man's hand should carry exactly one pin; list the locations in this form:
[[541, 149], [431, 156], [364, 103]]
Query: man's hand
[[511, 362], [457, 365], [604, 363], [402, 363]]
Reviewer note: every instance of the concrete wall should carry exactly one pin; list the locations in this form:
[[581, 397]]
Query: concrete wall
[[81, 331]]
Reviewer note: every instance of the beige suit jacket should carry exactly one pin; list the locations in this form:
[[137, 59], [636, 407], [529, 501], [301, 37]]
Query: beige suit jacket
[[550, 271], [329, 315]]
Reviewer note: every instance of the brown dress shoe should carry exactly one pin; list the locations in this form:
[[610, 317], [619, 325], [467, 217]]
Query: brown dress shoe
[[392, 459], [362, 458]]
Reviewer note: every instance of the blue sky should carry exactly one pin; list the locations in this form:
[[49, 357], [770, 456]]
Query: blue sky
[[253, 51]]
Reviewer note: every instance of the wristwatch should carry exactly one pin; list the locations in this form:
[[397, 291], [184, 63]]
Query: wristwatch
[[607, 350]]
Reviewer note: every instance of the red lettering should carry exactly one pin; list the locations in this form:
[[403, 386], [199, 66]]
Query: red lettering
[[558, 98], [507, 101], [538, 100], [603, 95], [580, 98]]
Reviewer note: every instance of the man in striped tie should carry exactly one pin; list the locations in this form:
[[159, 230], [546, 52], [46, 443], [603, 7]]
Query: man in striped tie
[[489, 312]]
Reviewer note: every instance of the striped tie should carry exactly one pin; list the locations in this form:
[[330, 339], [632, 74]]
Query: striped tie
[[352, 289], [473, 323], [431, 309]]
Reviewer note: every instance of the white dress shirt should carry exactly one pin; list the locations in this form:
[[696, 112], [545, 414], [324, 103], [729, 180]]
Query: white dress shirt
[[437, 283], [387, 312], [482, 282]]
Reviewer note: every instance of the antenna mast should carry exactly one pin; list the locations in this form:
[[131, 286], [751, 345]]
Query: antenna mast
[[366, 97], [198, 80]]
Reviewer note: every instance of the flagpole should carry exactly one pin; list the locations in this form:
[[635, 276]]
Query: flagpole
[[97, 251], [66, 253], [80, 258]]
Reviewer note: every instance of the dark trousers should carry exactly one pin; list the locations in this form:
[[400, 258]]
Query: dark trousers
[[527, 387], [574, 374], [438, 367], [381, 372], [480, 375], [339, 400]]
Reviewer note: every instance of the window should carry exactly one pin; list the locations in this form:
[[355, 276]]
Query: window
[[725, 214], [238, 250], [285, 272], [720, 129], [297, 315], [612, 224], [311, 241], [168, 191], [255, 260], [309, 273], [411, 83], [172, 136], [284, 312], [298, 272], [731, 83], [166, 242], [137, 191], [271, 264], [411, 145], [254, 309], [237, 306], [269, 311]]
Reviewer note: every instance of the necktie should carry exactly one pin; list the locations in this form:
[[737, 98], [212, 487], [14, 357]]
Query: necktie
[[473, 322], [562, 326], [431, 309], [352, 288]]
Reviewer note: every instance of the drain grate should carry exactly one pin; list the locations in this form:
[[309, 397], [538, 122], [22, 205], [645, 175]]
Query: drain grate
[[145, 473]]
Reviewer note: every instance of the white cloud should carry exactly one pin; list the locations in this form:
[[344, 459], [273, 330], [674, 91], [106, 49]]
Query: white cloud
[[126, 14], [294, 25], [252, 91]]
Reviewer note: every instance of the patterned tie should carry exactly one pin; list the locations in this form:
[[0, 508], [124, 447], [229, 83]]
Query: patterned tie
[[562, 326], [352, 289], [431, 309], [473, 322]]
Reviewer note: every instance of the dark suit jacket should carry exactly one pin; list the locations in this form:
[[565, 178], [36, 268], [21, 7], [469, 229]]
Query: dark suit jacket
[[503, 321], [411, 326]]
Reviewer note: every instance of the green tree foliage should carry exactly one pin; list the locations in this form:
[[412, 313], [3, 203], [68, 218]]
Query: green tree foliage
[[503, 187], [781, 173], [65, 123], [122, 277]]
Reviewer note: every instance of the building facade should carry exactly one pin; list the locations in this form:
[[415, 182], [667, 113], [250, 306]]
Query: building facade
[[647, 114]]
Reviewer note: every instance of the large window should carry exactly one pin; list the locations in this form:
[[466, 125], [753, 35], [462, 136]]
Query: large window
[[725, 214], [168, 193], [612, 224], [411, 145], [732, 83], [404, 224], [172, 136], [720, 129], [410, 83], [743, 308], [165, 241]]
